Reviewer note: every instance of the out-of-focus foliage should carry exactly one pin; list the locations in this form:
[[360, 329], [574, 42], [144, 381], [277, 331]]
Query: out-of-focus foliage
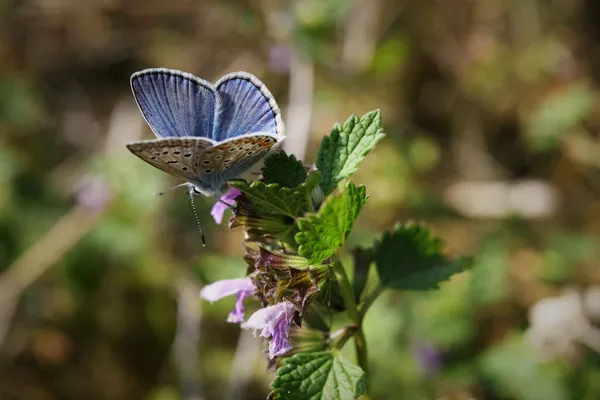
[[492, 138]]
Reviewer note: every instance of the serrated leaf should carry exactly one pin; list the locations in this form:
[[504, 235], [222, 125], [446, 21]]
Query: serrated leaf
[[272, 198], [318, 376], [342, 151], [284, 170], [410, 258], [323, 233]]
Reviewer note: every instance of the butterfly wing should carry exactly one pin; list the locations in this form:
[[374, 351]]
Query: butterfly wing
[[245, 106], [175, 103], [230, 159], [176, 156]]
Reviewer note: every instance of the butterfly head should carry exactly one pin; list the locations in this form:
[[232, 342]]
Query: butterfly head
[[198, 189]]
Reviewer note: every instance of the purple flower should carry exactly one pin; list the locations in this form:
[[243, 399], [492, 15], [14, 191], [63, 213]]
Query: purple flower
[[275, 324], [428, 358], [223, 204], [243, 287], [94, 194], [280, 58]]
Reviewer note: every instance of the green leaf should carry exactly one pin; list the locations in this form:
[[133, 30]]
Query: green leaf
[[272, 199], [284, 170], [323, 233], [276, 199], [318, 376], [409, 258], [312, 182], [342, 151]]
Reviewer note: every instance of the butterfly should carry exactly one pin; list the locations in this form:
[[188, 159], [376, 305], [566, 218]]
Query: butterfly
[[206, 133]]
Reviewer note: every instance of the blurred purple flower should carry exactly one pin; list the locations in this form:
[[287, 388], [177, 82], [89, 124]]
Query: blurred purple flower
[[93, 194], [428, 358], [274, 321], [220, 206], [280, 58], [243, 287]]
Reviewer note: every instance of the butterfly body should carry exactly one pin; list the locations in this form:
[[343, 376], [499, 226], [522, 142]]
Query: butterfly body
[[206, 134]]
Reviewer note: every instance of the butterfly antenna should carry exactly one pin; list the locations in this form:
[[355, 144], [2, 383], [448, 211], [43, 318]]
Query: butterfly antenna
[[173, 188], [191, 193]]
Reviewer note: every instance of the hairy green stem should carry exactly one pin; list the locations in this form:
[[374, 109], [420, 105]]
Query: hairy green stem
[[360, 344], [311, 205], [346, 291], [368, 301], [352, 310], [290, 239], [344, 335]]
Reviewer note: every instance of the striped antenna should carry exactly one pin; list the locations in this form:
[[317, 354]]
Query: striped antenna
[[173, 188], [192, 195]]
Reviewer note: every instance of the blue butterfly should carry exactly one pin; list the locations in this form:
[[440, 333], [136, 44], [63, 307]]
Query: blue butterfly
[[206, 133]]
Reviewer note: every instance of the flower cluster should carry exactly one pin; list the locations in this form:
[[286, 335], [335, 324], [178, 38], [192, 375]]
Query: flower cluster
[[282, 281], [296, 222]]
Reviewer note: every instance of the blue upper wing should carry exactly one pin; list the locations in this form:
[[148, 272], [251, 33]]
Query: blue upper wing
[[175, 103], [245, 106]]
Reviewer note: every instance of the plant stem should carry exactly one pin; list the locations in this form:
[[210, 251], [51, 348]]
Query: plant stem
[[360, 345], [346, 291], [368, 300], [352, 309], [344, 336], [311, 206]]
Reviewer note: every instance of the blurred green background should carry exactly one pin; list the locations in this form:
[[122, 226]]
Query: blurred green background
[[491, 110]]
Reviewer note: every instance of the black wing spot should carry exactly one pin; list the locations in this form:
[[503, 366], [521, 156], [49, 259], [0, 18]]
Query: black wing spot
[[157, 154], [227, 167], [185, 168], [250, 152], [208, 171], [218, 157], [187, 155], [177, 152], [206, 162], [226, 161], [241, 148], [165, 152], [172, 162], [153, 158]]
